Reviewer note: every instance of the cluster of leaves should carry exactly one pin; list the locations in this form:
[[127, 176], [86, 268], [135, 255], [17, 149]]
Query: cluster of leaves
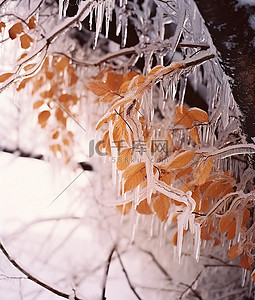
[[23, 32], [217, 206]]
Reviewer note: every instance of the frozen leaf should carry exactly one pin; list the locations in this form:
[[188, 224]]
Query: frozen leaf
[[105, 120], [193, 132], [125, 208], [181, 160], [246, 217], [144, 208], [133, 176], [25, 41], [15, 29], [62, 64], [2, 25], [43, 117], [114, 81], [231, 230], [124, 158], [99, 88], [108, 97], [31, 23], [22, 56], [155, 70], [55, 135], [60, 116], [203, 171], [73, 79], [246, 261], [29, 67], [225, 222], [49, 75], [182, 116], [234, 251], [161, 207], [5, 76], [198, 114], [118, 131], [38, 104], [23, 84], [37, 85], [65, 98]]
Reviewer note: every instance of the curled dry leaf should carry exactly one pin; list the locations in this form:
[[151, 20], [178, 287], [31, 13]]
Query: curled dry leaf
[[15, 29], [124, 159]]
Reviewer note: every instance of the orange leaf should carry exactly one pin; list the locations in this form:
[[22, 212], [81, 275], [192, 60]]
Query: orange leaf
[[43, 117], [38, 104], [31, 23], [193, 132], [62, 64], [60, 116], [2, 25], [29, 67], [144, 208], [15, 29], [231, 230], [5, 76], [114, 81], [155, 70], [198, 114], [73, 79], [23, 84], [118, 131], [25, 41], [246, 217], [124, 158], [99, 88], [65, 97], [129, 75], [55, 135], [225, 222], [161, 207], [234, 251], [108, 97], [49, 75], [22, 56], [246, 261], [181, 160], [133, 176], [182, 116], [124, 209], [206, 167]]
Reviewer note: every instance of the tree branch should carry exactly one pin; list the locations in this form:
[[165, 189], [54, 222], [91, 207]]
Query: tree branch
[[107, 272], [20, 153], [33, 278]]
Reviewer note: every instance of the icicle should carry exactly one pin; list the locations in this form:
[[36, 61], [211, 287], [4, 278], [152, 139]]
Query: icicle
[[244, 275], [61, 8], [124, 27], [134, 228], [99, 21]]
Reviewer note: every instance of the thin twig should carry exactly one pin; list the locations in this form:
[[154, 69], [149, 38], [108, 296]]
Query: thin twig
[[33, 278], [107, 267], [126, 275]]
